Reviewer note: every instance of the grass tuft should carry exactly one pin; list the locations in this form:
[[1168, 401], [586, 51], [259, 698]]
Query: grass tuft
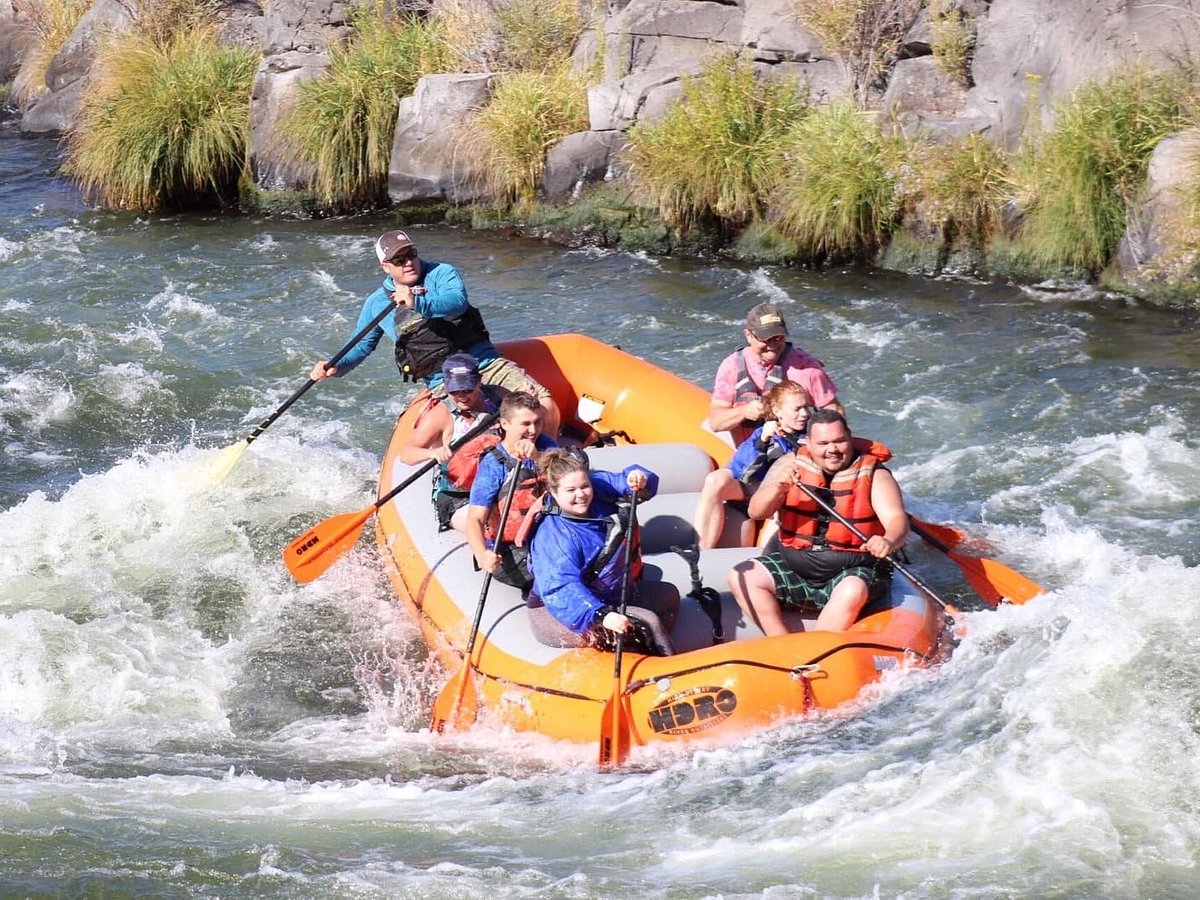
[[717, 150], [953, 40], [510, 35], [342, 124], [528, 113], [163, 124], [959, 186], [53, 21], [1077, 181], [838, 194]]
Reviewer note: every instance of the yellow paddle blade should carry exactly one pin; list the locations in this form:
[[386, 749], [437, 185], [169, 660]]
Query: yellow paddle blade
[[456, 706], [309, 555], [214, 469]]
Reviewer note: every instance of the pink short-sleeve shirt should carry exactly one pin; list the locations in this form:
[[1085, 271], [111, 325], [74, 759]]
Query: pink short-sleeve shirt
[[798, 366]]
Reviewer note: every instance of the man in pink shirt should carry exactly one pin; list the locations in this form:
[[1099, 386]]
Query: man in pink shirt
[[745, 375]]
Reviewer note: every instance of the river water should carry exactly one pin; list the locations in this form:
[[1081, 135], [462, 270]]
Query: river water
[[180, 718]]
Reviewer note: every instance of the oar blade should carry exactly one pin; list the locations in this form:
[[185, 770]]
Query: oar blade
[[615, 739], [218, 466], [308, 556], [995, 582], [951, 537], [457, 706]]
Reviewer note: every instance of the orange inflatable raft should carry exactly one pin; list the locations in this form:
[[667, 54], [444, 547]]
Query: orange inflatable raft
[[710, 691]]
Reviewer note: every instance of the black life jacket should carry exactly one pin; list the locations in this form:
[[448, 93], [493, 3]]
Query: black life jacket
[[422, 344]]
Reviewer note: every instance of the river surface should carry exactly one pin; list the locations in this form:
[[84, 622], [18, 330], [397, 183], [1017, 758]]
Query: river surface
[[178, 717]]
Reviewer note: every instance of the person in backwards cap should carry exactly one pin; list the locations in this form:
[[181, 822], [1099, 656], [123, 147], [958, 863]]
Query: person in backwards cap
[[445, 420], [433, 320], [767, 359]]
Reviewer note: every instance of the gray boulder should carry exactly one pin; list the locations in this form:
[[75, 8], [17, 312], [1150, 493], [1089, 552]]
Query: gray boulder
[[431, 159], [16, 36], [1151, 249], [583, 158], [296, 36]]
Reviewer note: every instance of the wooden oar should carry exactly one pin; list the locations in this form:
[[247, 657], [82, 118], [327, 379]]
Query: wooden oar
[[456, 706], [903, 569], [993, 581], [614, 725], [225, 459], [309, 555]]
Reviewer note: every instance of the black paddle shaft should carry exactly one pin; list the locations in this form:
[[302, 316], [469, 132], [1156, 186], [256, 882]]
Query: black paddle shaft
[[904, 570], [303, 389]]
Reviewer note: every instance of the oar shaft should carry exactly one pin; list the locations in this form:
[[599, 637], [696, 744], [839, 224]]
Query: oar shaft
[[333, 361], [904, 570], [487, 578], [480, 427]]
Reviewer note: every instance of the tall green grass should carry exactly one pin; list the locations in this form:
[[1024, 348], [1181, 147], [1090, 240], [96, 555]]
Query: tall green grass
[[1076, 181], [838, 197], [960, 185], [717, 150], [163, 124], [342, 124], [528, 113]]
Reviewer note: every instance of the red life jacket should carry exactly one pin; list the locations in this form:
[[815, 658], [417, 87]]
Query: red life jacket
[[529, 494], [803, 524]]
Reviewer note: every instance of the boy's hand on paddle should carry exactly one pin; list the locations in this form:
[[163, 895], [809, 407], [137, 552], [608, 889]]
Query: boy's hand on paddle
[[320, 371]]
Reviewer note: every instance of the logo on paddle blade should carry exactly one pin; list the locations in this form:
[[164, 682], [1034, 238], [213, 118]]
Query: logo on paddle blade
[[305, 546], [696, 709]]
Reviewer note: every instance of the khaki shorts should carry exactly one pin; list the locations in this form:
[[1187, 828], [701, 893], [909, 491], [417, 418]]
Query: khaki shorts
[[506, 374]]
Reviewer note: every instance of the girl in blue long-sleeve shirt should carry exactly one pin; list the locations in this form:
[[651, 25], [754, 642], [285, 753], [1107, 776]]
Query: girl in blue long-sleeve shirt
[[578, 570]]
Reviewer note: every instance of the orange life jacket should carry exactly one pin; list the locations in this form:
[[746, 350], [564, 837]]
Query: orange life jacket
[[529, 494], [803, 524]]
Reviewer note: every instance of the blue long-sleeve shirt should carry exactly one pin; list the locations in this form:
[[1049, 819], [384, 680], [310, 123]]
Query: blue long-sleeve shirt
[[563, 547], [445, 297], [750, 460]]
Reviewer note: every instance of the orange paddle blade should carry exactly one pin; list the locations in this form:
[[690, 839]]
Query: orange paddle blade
[[457, 705], [321, 546], [614, 731], [994, 581]]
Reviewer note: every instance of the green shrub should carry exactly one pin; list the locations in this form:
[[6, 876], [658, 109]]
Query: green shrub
[[953, 40], [959, 185], [342, 124], [864, 36], [1076, 181], [510, 35], [717, 149], [528, 113], [838, 193], [163, 124]]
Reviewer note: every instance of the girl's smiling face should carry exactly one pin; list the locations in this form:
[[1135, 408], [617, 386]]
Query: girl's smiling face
[[574, 493]]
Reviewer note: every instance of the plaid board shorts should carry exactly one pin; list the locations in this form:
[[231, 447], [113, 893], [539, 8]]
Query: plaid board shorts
[[792, 589]]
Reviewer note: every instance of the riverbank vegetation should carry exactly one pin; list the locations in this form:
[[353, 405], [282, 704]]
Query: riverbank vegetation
[[52, 22], [740, 162], [164, 120], [341, 125], [717, 152]]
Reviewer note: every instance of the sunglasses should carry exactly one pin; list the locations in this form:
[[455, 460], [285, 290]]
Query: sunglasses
[[410, 253]]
